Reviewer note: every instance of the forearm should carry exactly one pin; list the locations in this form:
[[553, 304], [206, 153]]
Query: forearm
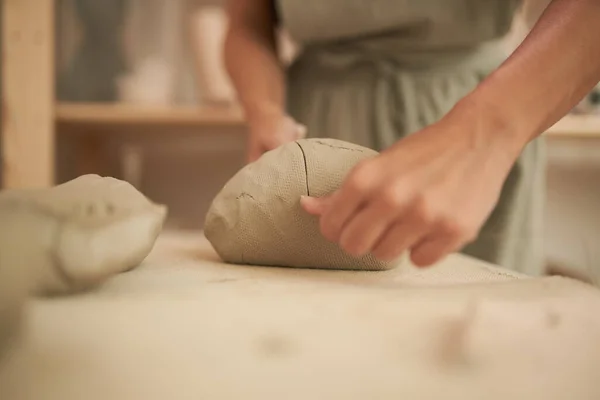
[[252, 63], [553, 69]]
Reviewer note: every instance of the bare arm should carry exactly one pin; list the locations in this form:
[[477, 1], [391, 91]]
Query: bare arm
[[251, 57], [553, 69], [431, 192]]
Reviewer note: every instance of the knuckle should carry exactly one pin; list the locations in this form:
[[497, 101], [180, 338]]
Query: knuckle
[[470, 234], [360, 178], [355, 185], [450, 226], [424, 209], [391, 198], [460, 230]]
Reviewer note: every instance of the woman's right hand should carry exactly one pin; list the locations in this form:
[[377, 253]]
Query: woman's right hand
[[271, 131]]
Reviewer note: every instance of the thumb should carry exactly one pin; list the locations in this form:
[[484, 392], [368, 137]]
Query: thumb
[[314, 205]]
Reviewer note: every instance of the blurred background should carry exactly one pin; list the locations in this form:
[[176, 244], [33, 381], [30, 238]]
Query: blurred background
[[142, 94], [139, 92]]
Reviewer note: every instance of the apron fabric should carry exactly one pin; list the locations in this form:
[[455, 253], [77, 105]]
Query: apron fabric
[[371, 75]]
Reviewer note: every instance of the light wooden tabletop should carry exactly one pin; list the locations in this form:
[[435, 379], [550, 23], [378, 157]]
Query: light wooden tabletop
[[186, 326]]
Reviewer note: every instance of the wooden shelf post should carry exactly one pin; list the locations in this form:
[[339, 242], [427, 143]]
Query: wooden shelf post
[[28, 93]]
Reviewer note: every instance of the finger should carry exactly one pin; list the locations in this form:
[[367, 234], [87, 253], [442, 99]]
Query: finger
[[349, 199], [252, 156], [400, 237], [340, 209], [314, 205], [433, 249], [364, 230], [368, 227], [274, 142]]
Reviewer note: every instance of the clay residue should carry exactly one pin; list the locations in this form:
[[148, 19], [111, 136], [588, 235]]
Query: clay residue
[[552, 319], [245, 195], [272, 346], [338, 147]]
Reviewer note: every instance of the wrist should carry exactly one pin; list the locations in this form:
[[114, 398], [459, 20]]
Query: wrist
[[255, 112], [490, 126]]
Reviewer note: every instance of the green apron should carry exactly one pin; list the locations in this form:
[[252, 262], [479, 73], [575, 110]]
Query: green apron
[[371, 72]]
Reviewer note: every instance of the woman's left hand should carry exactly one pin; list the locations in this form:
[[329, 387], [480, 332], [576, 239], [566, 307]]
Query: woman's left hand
[[429, 193]]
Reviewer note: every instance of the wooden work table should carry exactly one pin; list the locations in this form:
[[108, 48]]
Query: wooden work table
[[186, 326]]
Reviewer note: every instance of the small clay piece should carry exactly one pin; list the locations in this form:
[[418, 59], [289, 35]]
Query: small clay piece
[[257, 219], [76, 235]]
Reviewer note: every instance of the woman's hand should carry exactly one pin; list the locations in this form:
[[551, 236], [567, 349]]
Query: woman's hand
[[271, 131], [429, 194]]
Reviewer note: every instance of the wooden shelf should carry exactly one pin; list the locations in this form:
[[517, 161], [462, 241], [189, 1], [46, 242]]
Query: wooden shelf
[[571, 126], [576, 126], [127, 114]]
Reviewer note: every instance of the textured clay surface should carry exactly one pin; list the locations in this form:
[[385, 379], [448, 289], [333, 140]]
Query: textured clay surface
[[257, 219]]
